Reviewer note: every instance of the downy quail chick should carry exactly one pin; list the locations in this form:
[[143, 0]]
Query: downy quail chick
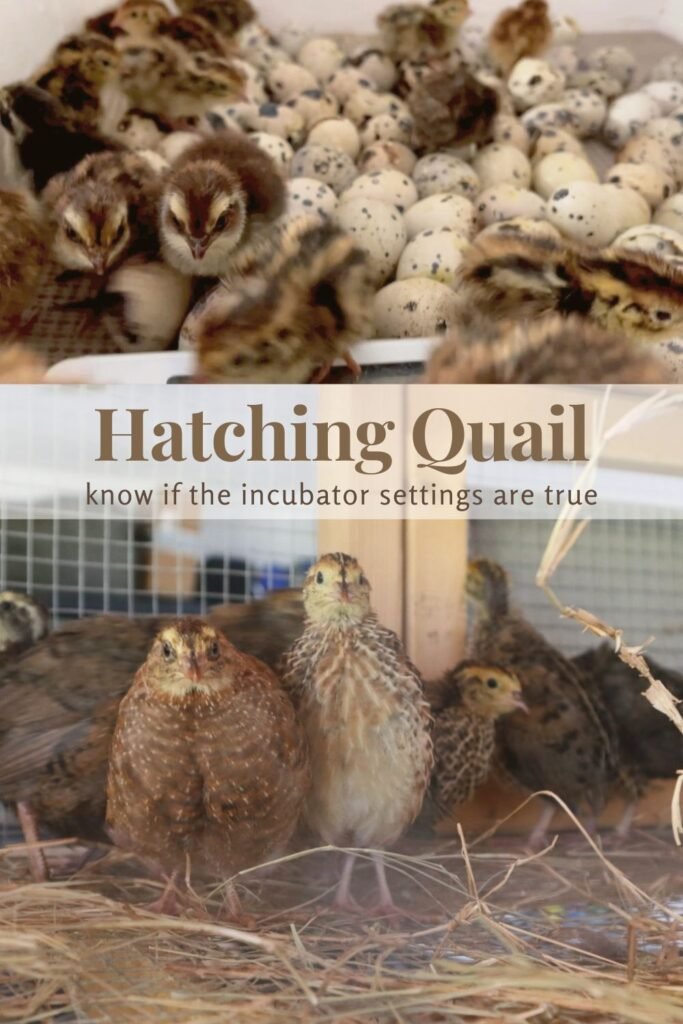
[[226, 16], [361, 703], [208, 768], [451, 107], [23, 622], [522, 31], [422, 32]]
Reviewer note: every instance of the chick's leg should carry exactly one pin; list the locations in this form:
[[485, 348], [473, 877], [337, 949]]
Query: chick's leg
[[539, 834], [168, 902], [343, 899], [386, 900], [29, 827], [623, 829]]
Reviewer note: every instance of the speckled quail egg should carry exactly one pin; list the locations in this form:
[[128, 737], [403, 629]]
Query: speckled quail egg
[[589, 109], [520, 227], [596, 214], [436, 254], [547, 115], [291, 39], [643, 150], [321, 56], [345, 81], [669, 68], [655, 238], [279, 150], [507, 202], [338, 132], [335, 168], [556, 140], [444, 210], [565, 29], [252, 34], [228, 115], [309, 196], [532, 82], [669, 94], [286, 80], [668, 131], [627, 116], [379, 230], [375, 65], [670, 213], [387, 128], [602, 82], [363, 104], [498, 164], [414, 308], [677, 113], [654, 183], [558, 169], [442, 172], [618, 61], [389, 185], [563, 58], [509, 130], [383, 155], [279, 119], [264, 57], [314, 105]]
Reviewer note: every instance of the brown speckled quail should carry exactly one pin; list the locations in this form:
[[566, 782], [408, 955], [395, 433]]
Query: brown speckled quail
[[361, 703], [567, 742], [451, 107], [23, 622], [208, 767], [522, 31], [474, 696]]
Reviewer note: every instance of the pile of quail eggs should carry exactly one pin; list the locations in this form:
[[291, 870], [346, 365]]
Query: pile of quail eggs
[[326, 114]]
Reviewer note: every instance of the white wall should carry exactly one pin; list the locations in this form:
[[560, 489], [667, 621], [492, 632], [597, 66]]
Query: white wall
[[29, 28], [672, 19]]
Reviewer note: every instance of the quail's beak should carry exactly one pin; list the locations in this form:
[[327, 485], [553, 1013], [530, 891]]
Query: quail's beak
[[520, 703], [99, 263], [191, 668], [198, 248], [344, 591]]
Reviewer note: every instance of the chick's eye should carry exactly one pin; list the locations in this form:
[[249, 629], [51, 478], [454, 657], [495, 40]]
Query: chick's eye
[[214, 650], [362, 580], [492, 684], [71, 234], [319, 578], [223, 221], [168, 651], [120, 231]]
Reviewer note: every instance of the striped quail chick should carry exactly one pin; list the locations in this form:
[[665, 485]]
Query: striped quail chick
[[361, 703], [475, 696], [422, 32], [23, 622], [83, 80], [142, 19], [226, 16], [649, 744], [522, 31], [567, 742], [451, 107], [208, 767], [22, 254]]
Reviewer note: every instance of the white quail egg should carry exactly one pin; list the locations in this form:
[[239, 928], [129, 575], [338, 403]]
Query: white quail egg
[[596, 214], [415, 308], [286, 80], [509, 130], [376, 66], [565, 29], [444, 210], [597, 81], [389, 185], [252, 34], [669, 68], [436, 254], [363, 104], [627, 116], [499, 164], [279, 150], [668, 131], [520, 227], [338, 132], [556, 140], [378, 229], [589, 109], [654, 183], [532, 82], [441, 172], [314, 105], [335, 168], [387, 128], [563, 58], [279, 119], [383, 155], [506, 202], [548, 115], [642, 149], [669, 94], [322, 57], [309, 196], [617, 61], [655, 238], [670, 213], [345, 81], [558, 169], [264, 57]]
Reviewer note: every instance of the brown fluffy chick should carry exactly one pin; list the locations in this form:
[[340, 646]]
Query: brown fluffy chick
[[140, 19], [22, 255], [23, 622], [649, 743], [475, 696], [551, 350], [567, 741], [522, 31], [105, 210], [451, 107], [58, 704], [422, 32], [147, 19], [226, 16], [208, 768], [360, 701], [288, 320], [82, 80], [220, 201]]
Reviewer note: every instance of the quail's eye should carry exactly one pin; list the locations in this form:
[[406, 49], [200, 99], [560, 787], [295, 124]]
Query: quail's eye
[[362, 580], [222, 222], [71, 233], [120, 231], [319, 578], [175, 221], [492, 684], [168, 652], [214, 650]]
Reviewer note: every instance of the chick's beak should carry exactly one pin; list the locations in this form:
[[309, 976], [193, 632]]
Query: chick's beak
[[344, 591], [191, 668], [520, 703], [99, 263], [198, 248]]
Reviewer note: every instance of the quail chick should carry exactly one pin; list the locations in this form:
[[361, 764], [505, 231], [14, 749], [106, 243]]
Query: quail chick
[[141, 19], [219, 204], [47, 139], [22, 253], [422, 32], [291, 318], [552, 350], [474, 697], [567, 742], [651, 745], [23, 622], [451, 107], [522, 31], [104, 210], [83, 83], [208, 768], [58, 705], [226, 16], [361, 703]]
